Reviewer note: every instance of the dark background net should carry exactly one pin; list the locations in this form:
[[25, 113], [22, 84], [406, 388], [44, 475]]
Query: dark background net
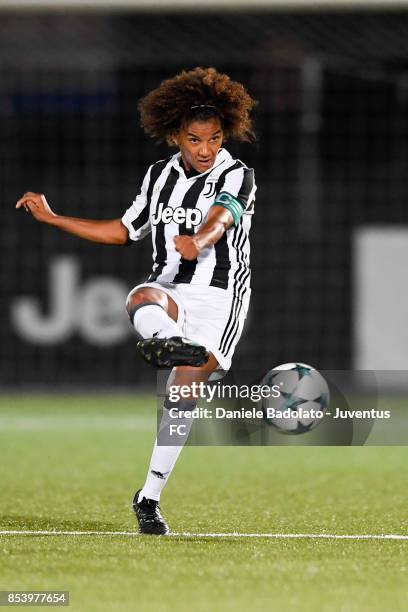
[[331, 156]]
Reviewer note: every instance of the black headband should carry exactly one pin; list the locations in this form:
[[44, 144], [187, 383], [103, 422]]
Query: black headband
[[204, 107], [210, 108]]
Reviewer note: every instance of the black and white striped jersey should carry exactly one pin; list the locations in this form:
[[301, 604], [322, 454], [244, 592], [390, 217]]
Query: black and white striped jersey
[[169, 203]]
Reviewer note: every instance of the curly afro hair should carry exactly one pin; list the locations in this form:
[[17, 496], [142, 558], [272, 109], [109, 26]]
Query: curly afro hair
[[197, 94]]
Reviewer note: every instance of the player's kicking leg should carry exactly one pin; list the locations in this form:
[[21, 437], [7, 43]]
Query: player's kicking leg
[[154, 315]]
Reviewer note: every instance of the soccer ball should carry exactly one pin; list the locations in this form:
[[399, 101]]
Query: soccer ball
[[303, 398]]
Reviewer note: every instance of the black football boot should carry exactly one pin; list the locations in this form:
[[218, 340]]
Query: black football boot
[[169, 352], [149, 517]]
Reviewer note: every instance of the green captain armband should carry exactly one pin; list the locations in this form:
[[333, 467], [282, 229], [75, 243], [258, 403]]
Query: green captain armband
[[226, 200]]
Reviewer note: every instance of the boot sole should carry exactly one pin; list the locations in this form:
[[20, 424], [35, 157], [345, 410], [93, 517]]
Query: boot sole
[[169, 353]]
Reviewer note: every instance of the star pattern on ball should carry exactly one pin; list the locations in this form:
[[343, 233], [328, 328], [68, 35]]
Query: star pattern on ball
[[323, 400], [302, 370], [301, 428], [291, 401]]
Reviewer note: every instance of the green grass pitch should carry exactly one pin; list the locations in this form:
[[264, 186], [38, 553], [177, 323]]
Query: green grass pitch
[[73, 464]]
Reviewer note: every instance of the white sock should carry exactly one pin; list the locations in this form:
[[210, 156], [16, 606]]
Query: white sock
[[163, 461], [152, 320], [161, 465]]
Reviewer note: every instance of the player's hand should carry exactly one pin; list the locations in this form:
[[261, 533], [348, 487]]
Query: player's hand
[[37, 205], [187, 247]]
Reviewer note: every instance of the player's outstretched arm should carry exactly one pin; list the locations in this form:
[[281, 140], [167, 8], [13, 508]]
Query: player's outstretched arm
[[106, 232], [218, 221]]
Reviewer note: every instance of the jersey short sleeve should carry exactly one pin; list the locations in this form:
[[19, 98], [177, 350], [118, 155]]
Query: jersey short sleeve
[[137, 218], [240, 184]]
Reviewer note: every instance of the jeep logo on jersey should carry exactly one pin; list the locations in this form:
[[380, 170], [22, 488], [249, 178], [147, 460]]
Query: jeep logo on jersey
[[188, 216]]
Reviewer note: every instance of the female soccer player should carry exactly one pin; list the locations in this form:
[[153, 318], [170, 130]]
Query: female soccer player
[[197, 205]]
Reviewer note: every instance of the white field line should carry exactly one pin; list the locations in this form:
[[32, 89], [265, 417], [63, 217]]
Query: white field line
[[278, 536], [62, 422]]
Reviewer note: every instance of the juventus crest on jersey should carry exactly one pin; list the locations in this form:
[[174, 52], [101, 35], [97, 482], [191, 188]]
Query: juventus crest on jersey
[[170, 203]]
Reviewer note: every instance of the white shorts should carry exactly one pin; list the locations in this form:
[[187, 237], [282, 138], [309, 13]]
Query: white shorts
[[211, 316]]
